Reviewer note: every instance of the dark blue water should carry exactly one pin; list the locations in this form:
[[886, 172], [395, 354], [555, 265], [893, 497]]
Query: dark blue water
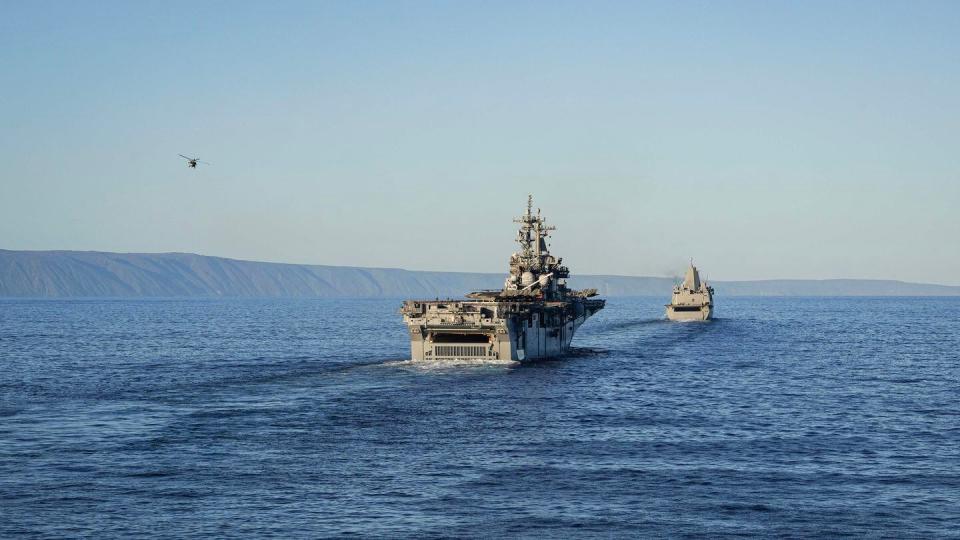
[[784, 417]]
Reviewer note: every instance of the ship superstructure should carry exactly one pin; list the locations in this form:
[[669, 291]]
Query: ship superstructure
[[534, 316], [692, 300]]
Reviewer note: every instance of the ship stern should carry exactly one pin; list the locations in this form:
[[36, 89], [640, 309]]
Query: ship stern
[[456, 330]]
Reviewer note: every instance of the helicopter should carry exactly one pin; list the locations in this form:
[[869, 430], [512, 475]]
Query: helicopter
[[192, 162]]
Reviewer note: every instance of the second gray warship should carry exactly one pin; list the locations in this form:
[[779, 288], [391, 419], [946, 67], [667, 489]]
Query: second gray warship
[[534, 316], [692, 300]]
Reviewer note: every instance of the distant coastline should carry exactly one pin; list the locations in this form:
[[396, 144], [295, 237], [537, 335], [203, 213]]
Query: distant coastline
[[75, 274]]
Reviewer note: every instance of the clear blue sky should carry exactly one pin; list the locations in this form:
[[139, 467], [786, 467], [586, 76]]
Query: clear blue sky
[[765, 139]]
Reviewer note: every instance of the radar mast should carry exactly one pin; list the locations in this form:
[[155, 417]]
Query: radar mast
[[532, 238]]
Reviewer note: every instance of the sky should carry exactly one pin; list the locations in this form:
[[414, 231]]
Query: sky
[[764, 140]]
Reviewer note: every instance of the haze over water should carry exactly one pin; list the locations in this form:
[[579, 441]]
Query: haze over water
[[797, 417]]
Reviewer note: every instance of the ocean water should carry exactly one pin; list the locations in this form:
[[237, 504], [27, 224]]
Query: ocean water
[[785, 417]]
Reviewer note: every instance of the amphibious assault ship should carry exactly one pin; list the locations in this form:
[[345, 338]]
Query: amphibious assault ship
[[534, 316], [692, 300]]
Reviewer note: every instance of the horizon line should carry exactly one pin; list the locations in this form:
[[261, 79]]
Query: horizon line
[[455, 271]]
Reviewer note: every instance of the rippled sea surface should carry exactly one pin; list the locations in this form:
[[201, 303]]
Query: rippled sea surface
[[303, 418]]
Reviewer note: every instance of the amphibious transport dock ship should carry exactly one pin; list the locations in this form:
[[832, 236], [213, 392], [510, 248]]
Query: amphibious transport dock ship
[[692, 300], [534, 316]]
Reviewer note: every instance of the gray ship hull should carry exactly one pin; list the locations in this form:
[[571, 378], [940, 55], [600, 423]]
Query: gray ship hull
[[689, 313], [478, 330]]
